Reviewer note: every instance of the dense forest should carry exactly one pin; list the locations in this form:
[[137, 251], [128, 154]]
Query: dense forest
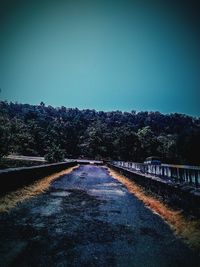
[[42, 130]]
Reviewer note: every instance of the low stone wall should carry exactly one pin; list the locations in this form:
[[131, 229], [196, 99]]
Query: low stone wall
[[11, 179], [178, 196]]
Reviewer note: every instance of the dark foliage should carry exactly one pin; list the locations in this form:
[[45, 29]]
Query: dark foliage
[[38, 129], [54, 154]]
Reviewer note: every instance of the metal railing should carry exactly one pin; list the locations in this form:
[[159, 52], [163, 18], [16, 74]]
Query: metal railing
[[177, 173]]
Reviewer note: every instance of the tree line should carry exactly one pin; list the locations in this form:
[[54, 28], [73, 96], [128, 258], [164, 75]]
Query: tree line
[[40, 130]]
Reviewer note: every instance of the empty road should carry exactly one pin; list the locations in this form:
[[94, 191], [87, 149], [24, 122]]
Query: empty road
[[87, 218]]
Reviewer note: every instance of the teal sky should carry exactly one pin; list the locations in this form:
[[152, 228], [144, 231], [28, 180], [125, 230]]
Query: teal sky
[[106, 55]]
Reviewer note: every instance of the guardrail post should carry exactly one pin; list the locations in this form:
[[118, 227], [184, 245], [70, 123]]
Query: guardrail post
[[196, 178], [178, 176], [190, 176]]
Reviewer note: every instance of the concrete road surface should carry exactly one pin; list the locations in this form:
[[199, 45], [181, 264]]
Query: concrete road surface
[[87, 218]]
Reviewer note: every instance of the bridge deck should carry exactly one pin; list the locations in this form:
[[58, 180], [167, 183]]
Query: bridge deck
[[88, 218]]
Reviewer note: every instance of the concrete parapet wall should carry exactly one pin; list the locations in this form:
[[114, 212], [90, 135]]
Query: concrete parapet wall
[[11, 179], [175, 195]]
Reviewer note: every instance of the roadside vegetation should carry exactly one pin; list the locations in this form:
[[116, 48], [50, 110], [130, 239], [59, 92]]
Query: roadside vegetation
[[40, 130], [55, 154]]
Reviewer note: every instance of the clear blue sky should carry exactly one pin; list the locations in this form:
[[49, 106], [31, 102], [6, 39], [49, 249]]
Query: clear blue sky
[[106, 55]]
